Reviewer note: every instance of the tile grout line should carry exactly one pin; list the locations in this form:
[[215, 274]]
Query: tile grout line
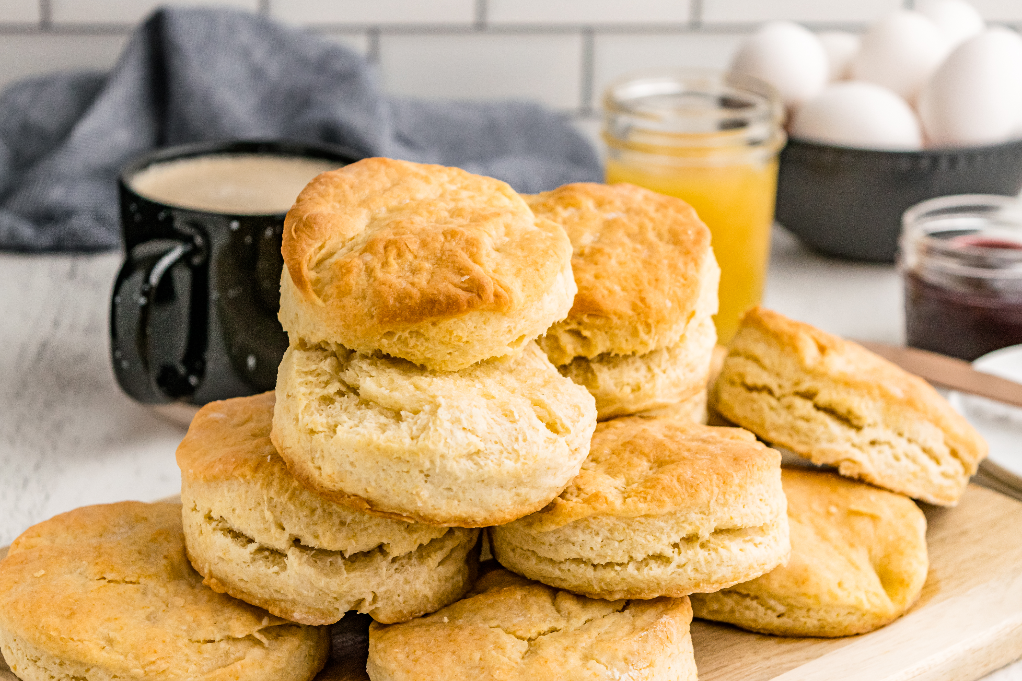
[[481, 12], [696, 16], [588, 68], [45, 15], [373, 49], [264, 6]]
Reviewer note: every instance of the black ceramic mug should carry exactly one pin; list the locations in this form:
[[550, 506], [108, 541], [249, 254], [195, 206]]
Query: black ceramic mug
[[194, 312]]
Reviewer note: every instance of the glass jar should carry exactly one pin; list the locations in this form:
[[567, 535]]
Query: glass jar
[[961, 260], [712, 140]]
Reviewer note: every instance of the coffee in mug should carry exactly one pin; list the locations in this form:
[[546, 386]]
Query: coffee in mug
[[194, 311]]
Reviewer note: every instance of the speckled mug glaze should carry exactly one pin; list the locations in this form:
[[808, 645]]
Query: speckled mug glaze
[[194, 311]]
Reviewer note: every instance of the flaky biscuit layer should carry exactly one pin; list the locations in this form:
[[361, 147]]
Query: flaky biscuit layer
[[252, 531], [511, 629], [473, 448], [643, 265], [629, 384], [660, 507], [106, 592], [431, 264], [858, 561], [834, 402]]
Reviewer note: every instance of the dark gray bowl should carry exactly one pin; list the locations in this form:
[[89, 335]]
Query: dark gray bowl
[[848, 202]]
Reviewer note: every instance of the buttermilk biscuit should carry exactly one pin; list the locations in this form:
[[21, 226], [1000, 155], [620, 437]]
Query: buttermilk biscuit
[[858, 561], [640, 331], [644, 268], [661, 508], [628, 384], [511, 629], [252, 531], [106, 592], [836, 403], [435, 265], [478, 447]]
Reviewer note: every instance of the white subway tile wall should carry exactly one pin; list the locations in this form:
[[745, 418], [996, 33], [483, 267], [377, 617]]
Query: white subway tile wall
[[745, 12], [124, 12], [588, 12], [375, 12], [20, 12], [478, 66], [560, 52]]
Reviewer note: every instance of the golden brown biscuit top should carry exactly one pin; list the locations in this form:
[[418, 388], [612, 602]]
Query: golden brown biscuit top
[[230, 440], [511, 628], [639, 258], [640, 466], [851, 542], [861, 375], [386, 244], [110, 586]]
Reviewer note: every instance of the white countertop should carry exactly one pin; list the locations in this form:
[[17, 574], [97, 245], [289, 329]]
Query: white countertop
[[69, 437]]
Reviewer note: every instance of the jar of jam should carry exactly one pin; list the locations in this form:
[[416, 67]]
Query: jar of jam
[[961, 259], [711, 140]]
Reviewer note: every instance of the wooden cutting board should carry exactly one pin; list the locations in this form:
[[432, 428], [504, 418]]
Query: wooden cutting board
[[967, 623]]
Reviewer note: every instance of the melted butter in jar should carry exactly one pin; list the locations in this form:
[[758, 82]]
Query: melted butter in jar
[[961, 259]]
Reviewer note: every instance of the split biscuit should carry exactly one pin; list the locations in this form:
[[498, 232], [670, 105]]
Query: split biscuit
[[834, 402], [511, 629], [858, 561], [253, 532], [660, 508], [106, 592], [473, 448], [640, 332], [431, 264], [629, 384]]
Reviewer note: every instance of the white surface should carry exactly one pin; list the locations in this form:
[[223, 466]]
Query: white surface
[[69, 437]]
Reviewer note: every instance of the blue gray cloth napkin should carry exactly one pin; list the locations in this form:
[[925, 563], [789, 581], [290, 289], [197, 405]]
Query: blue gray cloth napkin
[[192, 75]]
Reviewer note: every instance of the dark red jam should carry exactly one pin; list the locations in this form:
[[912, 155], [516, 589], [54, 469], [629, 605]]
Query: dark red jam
[[965, 323], [961, 258]]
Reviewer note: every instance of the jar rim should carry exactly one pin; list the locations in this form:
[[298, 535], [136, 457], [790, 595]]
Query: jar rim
[[661, 97], [976, 236]]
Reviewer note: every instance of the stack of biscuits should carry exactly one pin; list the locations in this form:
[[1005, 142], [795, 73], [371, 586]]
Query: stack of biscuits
[[462, 357]]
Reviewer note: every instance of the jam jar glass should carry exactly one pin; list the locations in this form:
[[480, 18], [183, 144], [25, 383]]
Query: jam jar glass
[[961, 262]]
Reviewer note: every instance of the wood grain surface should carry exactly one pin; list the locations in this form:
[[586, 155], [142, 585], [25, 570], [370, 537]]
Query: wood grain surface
[[967, 623]]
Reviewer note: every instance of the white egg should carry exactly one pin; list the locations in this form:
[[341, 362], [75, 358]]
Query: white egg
[[841, 47], [956, 19], [787, 56], [858, 114], [900, 52], [975, 97]]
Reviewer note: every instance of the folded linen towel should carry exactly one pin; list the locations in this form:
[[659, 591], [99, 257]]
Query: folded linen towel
[[191, 75]]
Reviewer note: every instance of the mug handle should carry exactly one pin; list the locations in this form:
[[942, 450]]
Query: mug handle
[[158, 320]]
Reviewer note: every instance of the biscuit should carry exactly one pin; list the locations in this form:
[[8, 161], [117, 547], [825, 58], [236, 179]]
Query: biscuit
[[511, 629], [858, 561], [252, 531], [643, 265], [473, 448], [629, 384], [660, 508], [431, 264], [836, 403], [692, 410], [106, 592]]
